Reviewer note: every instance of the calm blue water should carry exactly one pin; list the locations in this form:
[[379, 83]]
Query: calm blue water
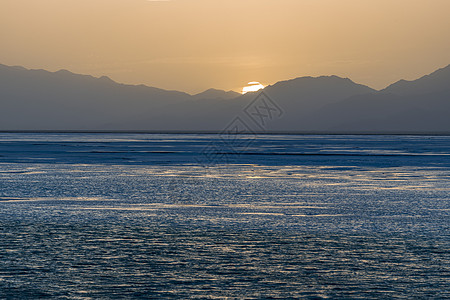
[[92, 216]]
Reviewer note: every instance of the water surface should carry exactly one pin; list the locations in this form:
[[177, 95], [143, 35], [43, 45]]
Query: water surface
[[204, 216]]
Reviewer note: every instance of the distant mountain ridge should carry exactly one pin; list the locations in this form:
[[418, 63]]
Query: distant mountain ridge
[[42, 100], [435, 82], [216, 94]]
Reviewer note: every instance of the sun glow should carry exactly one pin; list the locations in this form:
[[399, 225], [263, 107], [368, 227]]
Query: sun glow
[[252, 86]]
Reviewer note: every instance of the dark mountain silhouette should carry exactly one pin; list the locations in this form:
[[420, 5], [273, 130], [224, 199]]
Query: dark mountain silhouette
[[435, 82], [419, 106], [301, 97], [216, 94], [42, 100]]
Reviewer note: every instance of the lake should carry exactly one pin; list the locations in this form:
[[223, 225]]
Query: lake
[[139, 215]]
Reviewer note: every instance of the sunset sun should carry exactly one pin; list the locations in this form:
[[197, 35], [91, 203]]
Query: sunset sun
[[252, 86]]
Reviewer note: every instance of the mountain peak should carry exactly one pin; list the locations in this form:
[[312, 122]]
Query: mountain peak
[[106, 79], [216, 94], [64, 72], [438, 80], [321, 84], [307, 80]]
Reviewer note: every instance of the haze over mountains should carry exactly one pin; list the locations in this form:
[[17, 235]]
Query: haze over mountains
[[42, 100]]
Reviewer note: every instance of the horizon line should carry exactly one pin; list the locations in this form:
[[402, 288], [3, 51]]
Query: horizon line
[[395, 133]]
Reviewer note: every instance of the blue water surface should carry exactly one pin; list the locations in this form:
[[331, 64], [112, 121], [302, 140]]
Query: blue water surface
[[122, 215]]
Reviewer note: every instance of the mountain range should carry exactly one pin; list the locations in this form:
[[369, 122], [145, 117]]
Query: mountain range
[[63, 101]]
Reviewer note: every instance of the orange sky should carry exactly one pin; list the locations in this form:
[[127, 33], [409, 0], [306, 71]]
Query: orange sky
[[192, 45]]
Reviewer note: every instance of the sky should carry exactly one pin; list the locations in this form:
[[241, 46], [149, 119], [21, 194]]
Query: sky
[[193, 45]]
